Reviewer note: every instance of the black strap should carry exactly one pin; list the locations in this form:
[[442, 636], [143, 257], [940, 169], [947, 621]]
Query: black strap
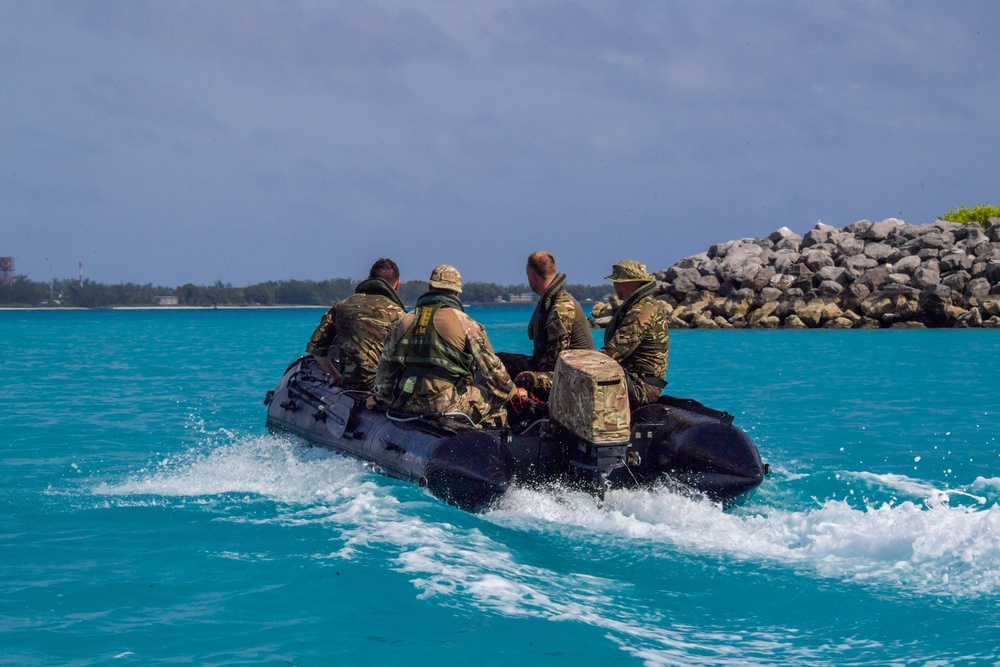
[[654, 381]]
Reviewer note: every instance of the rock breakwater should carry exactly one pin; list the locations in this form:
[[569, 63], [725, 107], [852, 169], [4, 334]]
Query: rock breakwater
[[867, 275]]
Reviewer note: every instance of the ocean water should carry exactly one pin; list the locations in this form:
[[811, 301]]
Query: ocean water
[[148, 518]]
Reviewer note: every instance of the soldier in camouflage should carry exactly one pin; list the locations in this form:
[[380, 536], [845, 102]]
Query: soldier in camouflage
[[637, 336], [557, 324], [348, 341], [439, 360]]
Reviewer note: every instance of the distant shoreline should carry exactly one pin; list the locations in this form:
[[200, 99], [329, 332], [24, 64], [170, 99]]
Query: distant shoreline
[[61, 308], [228, 307]]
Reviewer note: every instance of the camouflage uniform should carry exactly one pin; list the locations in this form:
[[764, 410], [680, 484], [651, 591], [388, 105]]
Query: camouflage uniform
[[557, 324], [437, 359], [638, 337], [353, 331]]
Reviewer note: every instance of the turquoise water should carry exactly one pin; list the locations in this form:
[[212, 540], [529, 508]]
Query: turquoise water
[[147, 517]]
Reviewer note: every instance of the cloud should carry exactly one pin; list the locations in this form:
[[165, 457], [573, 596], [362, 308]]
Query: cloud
[[305, 139], [350, 46], [138, 102]]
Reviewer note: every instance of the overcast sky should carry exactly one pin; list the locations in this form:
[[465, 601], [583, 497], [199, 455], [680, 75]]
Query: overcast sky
[[173, 142]]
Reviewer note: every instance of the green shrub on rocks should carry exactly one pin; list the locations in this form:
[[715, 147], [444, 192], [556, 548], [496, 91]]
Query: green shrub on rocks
[[979, 213]]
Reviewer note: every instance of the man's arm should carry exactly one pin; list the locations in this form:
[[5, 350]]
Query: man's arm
[[558, 328], [493, 377], [626, 338], [385, 376], [320, 342]]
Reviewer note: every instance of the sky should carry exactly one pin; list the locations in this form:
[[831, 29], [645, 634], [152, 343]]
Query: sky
[[245, 141]]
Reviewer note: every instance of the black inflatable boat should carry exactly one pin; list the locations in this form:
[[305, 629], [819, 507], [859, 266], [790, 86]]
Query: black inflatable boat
[[677, 442]]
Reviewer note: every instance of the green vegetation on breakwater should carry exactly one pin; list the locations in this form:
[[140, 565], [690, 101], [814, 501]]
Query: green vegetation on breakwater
[[979, 213]]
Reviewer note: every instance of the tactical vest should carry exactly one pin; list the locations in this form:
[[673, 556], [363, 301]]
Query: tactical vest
[[425, 353], [580, 338], [579, 328]]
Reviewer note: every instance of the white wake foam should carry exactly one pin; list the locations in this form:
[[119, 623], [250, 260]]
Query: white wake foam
[[456, 564], [937, 547], [933, 548], [266, 466]]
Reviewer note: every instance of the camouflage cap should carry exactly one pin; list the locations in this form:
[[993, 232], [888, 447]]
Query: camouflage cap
[[446, 277], [629, 271]]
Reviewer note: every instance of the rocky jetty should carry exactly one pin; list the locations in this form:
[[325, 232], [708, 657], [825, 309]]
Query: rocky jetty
[[867, 275]]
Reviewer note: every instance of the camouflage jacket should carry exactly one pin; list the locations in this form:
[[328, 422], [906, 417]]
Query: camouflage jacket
[[353, 331], [420, 390], [638, 338], [563, 326]]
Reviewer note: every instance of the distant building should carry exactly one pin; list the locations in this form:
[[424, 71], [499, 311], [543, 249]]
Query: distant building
[[526, 297], [6, 269], [165, 300]]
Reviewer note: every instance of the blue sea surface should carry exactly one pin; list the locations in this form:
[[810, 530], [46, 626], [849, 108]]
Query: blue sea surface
[[148, 518]]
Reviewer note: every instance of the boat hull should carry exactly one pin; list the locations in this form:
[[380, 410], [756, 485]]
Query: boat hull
[[677, 442]]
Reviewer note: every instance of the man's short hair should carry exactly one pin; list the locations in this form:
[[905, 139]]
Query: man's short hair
[[542, 264], [385, 269]]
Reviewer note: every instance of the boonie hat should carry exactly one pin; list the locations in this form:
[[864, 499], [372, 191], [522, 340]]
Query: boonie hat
[[446, 277], [629, 271]]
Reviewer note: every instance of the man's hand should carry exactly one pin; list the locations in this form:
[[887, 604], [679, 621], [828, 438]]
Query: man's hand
[[519, 398], [335, 376], [370, 402]]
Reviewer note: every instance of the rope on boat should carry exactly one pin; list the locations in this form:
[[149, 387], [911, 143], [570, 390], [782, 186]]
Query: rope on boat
[[537, 422], [632, 475], [434, 415]]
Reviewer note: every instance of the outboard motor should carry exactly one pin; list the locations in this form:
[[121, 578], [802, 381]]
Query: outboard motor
[[593, 463], [589, 402]]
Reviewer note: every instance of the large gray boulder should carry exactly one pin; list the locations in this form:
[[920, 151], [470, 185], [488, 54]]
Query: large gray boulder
[[814, 236], [700, 262], [972, 318], [938, 240], [784, 259], [850, 246], [859, 228], [977, 289], [830, 288], [954, 260], [880, 252], [907, 265], [682, 286], [926, 276], [971, 235], [781, 281], [956, 280], [708, 283], [781, 234], [815, 259], [858, 264], [992, 273], [992, 228], [880, 231], [874, 278], [853, 295], [835, 273]]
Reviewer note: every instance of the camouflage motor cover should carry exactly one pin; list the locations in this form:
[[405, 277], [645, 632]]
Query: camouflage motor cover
[[590, 397]]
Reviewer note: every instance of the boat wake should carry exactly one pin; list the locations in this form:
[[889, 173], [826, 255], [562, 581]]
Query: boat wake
[[931, 548], [936, 547], [937, 541]]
